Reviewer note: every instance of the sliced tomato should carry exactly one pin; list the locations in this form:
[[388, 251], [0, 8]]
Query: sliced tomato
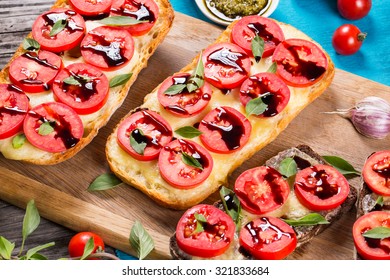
[[215, 236], [177, 167], [148, 129], [376, 172], [270, 88], [224, 130], [34, 72], [13, 109], [261, 190], [82, 87], [183, 104], [300, 63], [67, 127], [248, 27], [321, 187], [226, 65], [107, 47], [91, 8], [68, 38], [371, 248], [143, 10], [268, 238]]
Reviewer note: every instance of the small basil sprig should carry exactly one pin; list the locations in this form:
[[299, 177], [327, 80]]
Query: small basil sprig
[[231, 204], [138, 146], [18, 141], [378, 233], [191, 161], [272, 68], [256, 106], [46, 128], [188, 132], [288, 167], [30, 44], [120, 21], [104, 182], [200, 222], [120, 80], [341, 165], [140, 240], [379, 201], [58, 26], [311, 219], [257, 47]]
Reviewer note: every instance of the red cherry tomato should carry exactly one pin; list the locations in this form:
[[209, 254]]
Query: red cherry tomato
[[321, 187], [86, 97], [248, 27], [184, 104], [174, 166], [34, 72], [213, 240], [225, 130], [143, 10], [226, 65], [354, 9], [347, 39], [274, 91], [376, 172], [13, 109], [107, 47], [91, 7], [68, 38], [67, 127], [370, 248], [300, 63], [261, 190], [77, 243], [268, 238], [146, 127]]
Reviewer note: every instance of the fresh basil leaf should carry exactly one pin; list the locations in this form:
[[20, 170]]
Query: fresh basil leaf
[[45, 129], [255, 106], [30, 44], [272, 68], [38, 257], [291, 181], [191, 161], [31, 220], [188, 132], [120, 21], [18, 141], [234, 207], [175, 89], [6, 248], [31, 252], [200, 221], [378, 233], [197, 78], [120, 80], [140, 240], [257, 47], [71, 80], [379, 201], [288, 167], [311, 219], [200, 218], [139, 147], [58, 26], [341, 165], [88, 249], [104, 182]]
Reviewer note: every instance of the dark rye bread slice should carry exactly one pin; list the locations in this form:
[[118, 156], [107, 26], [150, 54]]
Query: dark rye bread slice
[[304, 156]]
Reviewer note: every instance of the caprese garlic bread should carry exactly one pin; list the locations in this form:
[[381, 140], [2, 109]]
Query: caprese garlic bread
[[72, 72], [271, 210]]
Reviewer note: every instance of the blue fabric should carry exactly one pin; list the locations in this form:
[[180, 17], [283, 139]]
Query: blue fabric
[[319, 19]]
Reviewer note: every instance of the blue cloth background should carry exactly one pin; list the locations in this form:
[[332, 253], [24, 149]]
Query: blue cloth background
[[319, 19]]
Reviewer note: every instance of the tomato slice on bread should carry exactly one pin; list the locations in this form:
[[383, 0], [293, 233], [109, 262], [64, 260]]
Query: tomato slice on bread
[[205, 231], [65, 38], [268, 238], [321, 187], [184, 164], [91, 8], [376, 172], [372, 248]]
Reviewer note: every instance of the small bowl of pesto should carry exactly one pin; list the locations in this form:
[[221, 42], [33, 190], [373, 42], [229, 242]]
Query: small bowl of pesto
[[226, 11]]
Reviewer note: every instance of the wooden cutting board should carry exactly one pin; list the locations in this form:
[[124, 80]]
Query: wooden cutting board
[[60, 191]]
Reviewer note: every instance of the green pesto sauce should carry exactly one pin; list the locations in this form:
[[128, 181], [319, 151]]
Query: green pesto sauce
[[238, 8]]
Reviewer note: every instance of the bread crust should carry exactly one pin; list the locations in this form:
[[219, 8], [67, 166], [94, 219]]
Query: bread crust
[[159, 31]]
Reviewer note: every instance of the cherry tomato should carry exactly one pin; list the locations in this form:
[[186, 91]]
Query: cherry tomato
[[213, 240], [226, 65], [273, 91], [77, 243], [354, 9], [261, 190], [68, 38], [371, 248], [248, 27], [184, 104], [91, 7], [145, 127], [225, 130], [13, 109], [107, 47], [67, 127], [347, 39], [174, 164], [376, 173], [268, 238], [86, 93], [34, 72], [300, 63], [142, 10], [321, 187]]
